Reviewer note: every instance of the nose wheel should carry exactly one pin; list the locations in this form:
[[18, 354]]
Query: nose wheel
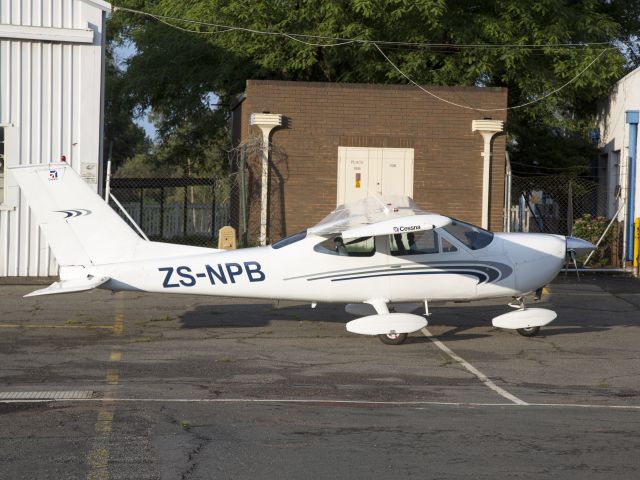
[[525, 321], [393, 338], [528, 332]]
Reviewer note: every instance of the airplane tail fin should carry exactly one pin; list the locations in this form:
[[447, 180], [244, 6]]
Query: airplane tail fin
[[79, 225]]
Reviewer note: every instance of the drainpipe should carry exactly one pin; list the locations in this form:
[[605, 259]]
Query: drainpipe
[[632, 119], [265, 122], [487, 128], [507, 194]]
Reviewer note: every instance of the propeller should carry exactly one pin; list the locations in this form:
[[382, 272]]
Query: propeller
[[572, 255], [577, 246]]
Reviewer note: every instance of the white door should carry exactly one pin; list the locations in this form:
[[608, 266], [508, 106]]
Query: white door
[[363, 172], [2, 165]]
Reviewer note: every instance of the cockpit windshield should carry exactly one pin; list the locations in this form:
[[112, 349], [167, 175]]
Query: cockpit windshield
[[469, 235]]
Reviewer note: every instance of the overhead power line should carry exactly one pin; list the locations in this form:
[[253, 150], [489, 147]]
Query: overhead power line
[[338, 42], [536, 100], [341, 40]]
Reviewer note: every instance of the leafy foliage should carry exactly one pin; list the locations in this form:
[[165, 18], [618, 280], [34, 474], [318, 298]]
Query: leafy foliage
[[591, 229], [176, 73], [122, 137]]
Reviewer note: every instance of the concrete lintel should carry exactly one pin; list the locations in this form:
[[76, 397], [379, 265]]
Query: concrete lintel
[[46, 34]]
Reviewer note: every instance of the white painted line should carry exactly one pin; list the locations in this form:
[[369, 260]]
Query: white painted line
[[319, 401], [49, 395], [470, 368]]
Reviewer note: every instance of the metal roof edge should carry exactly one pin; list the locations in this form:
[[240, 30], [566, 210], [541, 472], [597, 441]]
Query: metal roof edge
[[628, 76], [237, 101], [373, 86], [104, 6]]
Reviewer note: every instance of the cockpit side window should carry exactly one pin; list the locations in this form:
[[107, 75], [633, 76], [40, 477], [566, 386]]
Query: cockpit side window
[[414, 243], [471, 236], [358, 247]]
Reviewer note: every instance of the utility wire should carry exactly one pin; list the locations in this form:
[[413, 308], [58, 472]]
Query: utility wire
[[376, 43], [532, 166], [341, 41], [491, 109]]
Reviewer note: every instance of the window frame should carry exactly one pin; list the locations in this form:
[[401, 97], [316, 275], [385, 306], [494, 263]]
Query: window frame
[[459, 242], [318, 248], [289, 240], [438, 245]]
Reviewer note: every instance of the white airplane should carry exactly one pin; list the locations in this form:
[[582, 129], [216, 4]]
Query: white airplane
[[383, 257]]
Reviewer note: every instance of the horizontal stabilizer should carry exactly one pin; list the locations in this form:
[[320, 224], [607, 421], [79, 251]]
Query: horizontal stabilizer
[[70, 286], [387, 323], [527, 318]]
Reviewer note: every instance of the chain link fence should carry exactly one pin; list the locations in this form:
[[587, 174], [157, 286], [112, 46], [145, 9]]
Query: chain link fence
[[191, 210], [177, 210], [245, 163], [561, 205]]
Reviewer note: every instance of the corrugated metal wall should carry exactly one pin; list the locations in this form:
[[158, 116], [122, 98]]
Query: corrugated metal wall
[[50, 105]]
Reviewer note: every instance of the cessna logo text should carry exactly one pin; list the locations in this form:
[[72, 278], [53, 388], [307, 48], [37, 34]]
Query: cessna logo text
[[406, 229], [222, 273]]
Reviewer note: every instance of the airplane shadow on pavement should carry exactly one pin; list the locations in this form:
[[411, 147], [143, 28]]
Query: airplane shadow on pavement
[[461, 323]]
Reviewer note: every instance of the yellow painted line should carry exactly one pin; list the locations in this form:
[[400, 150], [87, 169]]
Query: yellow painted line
[[118, 326], [98, 457], [112, 377], [17, 325], [98, 460], [104, 422]]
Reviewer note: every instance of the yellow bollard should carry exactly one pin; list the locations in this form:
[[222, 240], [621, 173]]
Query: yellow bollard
[[227, 238]]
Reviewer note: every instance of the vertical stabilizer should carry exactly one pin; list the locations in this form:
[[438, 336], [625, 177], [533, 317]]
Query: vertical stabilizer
[[80, 227]]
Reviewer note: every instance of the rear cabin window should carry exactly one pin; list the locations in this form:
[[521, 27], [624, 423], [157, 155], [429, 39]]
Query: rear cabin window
[[296, 237], [358, 247], [471, 236], [414, 243]]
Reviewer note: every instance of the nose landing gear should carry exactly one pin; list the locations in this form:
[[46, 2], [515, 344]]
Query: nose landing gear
[[393, 338], [526, 321]]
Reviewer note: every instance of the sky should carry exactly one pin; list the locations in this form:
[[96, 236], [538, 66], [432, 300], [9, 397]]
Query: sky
[[122, 53]]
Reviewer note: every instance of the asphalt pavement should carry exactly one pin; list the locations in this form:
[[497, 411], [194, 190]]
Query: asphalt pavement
[[139, 386]]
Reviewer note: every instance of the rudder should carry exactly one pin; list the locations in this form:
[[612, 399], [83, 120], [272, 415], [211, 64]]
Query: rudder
[[79, 225]]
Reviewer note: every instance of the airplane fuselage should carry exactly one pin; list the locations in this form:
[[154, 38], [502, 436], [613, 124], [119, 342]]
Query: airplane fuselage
[[510, 265]]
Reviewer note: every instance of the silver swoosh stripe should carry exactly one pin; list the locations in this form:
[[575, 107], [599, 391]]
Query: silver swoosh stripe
[[494, 271]]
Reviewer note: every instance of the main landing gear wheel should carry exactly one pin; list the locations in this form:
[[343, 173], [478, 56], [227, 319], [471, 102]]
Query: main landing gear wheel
[[393, 338], [528, 332]]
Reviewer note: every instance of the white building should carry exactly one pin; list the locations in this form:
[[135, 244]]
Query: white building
[[51, 106], [618, 159]]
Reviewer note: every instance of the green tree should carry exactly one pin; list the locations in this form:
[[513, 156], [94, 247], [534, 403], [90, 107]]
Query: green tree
[[122, 137], [179, 67]]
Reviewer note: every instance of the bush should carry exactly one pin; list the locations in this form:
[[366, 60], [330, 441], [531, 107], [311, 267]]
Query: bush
[[591, 229]]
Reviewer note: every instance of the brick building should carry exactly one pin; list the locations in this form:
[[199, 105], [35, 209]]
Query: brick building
[[329, 127]]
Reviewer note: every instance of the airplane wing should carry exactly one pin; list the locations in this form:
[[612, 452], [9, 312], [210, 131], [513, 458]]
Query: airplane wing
[[378, 216]]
